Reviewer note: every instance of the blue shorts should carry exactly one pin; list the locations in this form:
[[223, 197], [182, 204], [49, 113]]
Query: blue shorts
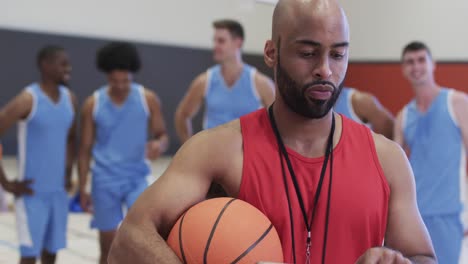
[[446, 232], [109, 203], [41, 221]]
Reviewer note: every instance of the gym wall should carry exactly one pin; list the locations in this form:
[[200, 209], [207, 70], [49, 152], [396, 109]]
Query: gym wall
[[174, 39]]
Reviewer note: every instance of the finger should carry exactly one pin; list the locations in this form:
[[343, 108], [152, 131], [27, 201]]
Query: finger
[[388, 256], [400, 259], [24, 187], [370, 257], [84, 204], [90, 208], [27, 182], [27, 190], [89, 205], [20, 188], [16, 193]]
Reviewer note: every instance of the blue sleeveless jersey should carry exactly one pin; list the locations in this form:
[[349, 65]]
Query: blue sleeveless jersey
[[437, 155], [42, 140], [344, 105], [120, 138], [223, 103]]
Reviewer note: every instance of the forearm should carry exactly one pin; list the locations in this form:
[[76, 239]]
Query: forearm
[[140, 243], [385, 129], [5, 123], [71, 155], [184, 128], [3, 178], [383, 124], [163, 142], [83, 169]]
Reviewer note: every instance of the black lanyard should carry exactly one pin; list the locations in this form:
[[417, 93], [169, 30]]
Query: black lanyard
[[308, 224]]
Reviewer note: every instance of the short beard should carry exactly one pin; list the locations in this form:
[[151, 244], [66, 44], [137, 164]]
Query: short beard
[[295, 97]]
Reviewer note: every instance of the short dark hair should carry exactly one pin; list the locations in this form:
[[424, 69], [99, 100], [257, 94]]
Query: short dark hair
[[416, 46], [234, 27], [118, 56], [47, 52]]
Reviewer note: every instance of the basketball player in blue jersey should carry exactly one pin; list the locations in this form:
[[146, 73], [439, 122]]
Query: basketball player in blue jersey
[[45, 114], [433, 128], [229, 89], [121, 126], [366, 109]]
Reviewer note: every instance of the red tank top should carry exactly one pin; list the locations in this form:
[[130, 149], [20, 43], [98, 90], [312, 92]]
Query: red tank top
[[359, 198]]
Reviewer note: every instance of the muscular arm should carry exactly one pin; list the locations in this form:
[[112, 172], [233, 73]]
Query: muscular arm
[[369, 110], [398, 135], [406, 231], [17, 109], [265, 89], [156, 122], [200, 161], [86, 144], [189, 107], [71, 145]]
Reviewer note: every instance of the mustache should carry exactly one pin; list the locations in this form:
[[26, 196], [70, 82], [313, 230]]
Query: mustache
[[319, 82]]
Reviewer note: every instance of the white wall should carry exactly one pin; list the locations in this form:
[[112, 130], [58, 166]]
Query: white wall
[[379, 28], [173, 22]]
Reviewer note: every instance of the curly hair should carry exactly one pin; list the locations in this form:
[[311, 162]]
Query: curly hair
[[118, 56]]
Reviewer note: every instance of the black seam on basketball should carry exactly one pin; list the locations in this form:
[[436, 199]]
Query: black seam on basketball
[[180, 239], [207, 247], [253, 245]]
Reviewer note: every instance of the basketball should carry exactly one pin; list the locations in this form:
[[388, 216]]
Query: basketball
[[225, 230]]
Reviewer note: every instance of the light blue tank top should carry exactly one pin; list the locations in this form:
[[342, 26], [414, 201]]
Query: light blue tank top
[[437, 155], [223, 103], [344, 105], [42, 140], [121, 137]]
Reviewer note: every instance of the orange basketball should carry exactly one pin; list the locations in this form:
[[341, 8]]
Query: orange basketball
[[225, 230]]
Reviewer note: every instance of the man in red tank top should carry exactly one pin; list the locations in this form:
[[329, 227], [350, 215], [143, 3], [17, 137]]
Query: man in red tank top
[[333, 190]]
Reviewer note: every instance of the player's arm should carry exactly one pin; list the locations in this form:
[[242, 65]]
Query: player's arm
[[17, 109], [398, 134], [87, 134], [141, 237], [370, 110], [158, 133], [460, 109], [71, 145], [265, 89], [189, 107], [406, 238]]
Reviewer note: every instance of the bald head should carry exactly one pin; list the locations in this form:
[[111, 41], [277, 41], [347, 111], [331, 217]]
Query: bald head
[[291, 16], [309, 53]]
